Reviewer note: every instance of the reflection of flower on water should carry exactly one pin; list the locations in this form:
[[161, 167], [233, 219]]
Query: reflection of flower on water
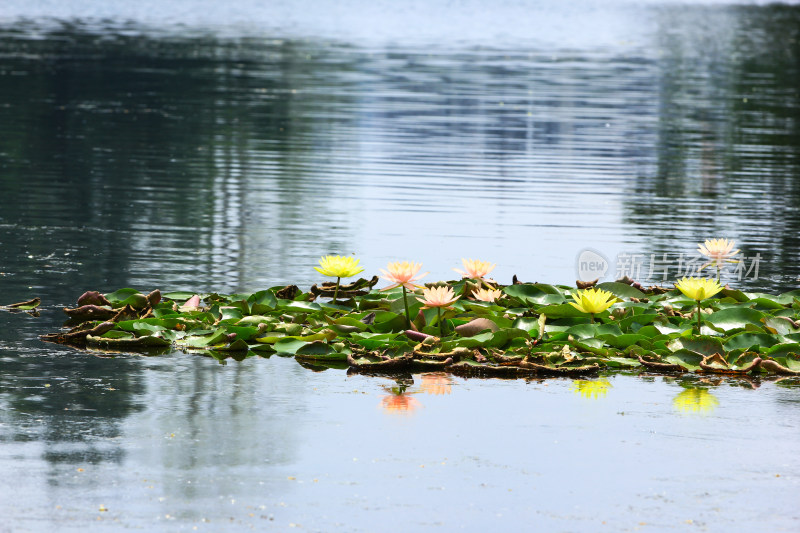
[[398, 400], [400, 403], [695, 400], [436, 383], [594, 389]]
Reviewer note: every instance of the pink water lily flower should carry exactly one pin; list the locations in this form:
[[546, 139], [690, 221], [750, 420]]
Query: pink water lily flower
[[402, 274], [487, 295], [192, 304], [438, 297], [718, 251], [475, 269]]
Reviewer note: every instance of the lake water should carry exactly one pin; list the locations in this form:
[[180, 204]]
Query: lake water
[[227, 146]]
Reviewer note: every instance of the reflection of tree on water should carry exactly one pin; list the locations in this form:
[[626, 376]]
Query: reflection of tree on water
[[71, 402], [165, 152], [728, 129], [218, 422]]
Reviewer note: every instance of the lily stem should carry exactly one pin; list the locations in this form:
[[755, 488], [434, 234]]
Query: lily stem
[[408, 315], [698, 317], [336, 292], [439, 317]]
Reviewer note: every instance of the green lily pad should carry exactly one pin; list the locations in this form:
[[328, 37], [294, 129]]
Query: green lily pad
[[314, 348], [735, 318], [621, 290], [203, 341], [700, 344], [271, 338], [535, 293], [747, 340], [565, 311], [690, 360]]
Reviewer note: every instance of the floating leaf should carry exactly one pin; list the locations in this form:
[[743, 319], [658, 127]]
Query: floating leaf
[[735, 318], [625, 340], [531, 325], [124, 297], [688, 359], [535, 293], [203, 341], [703, 345], [324, 334], [314, 348], [24, 306], [565, 310], [747, 340], [621, 290]]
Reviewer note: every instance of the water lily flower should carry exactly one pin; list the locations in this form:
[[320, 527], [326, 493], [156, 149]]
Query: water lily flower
[[336, 266], [403, 275], [438, 297], [592, 301], [719, 251], [475, 269], [192, 304], [487, 295], [698, 289]]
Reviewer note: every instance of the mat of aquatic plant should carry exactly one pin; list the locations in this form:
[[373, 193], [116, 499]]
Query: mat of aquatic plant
[[531, 329]]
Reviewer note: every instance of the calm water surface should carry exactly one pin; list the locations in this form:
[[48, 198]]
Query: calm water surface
[[208, 146]]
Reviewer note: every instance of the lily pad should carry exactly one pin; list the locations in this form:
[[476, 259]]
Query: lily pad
[[703, 345], [735, 318]]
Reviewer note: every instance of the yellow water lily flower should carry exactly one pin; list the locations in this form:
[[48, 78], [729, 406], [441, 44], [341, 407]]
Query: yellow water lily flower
[[487, 295], [475, 269], [698, 288], [336, 266], [695, 400], [592, 300], [402, 273], [718, 251]]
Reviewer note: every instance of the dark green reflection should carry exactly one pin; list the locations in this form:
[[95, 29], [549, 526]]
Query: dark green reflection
[[138, 155], [70, 402], [728, 138]]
